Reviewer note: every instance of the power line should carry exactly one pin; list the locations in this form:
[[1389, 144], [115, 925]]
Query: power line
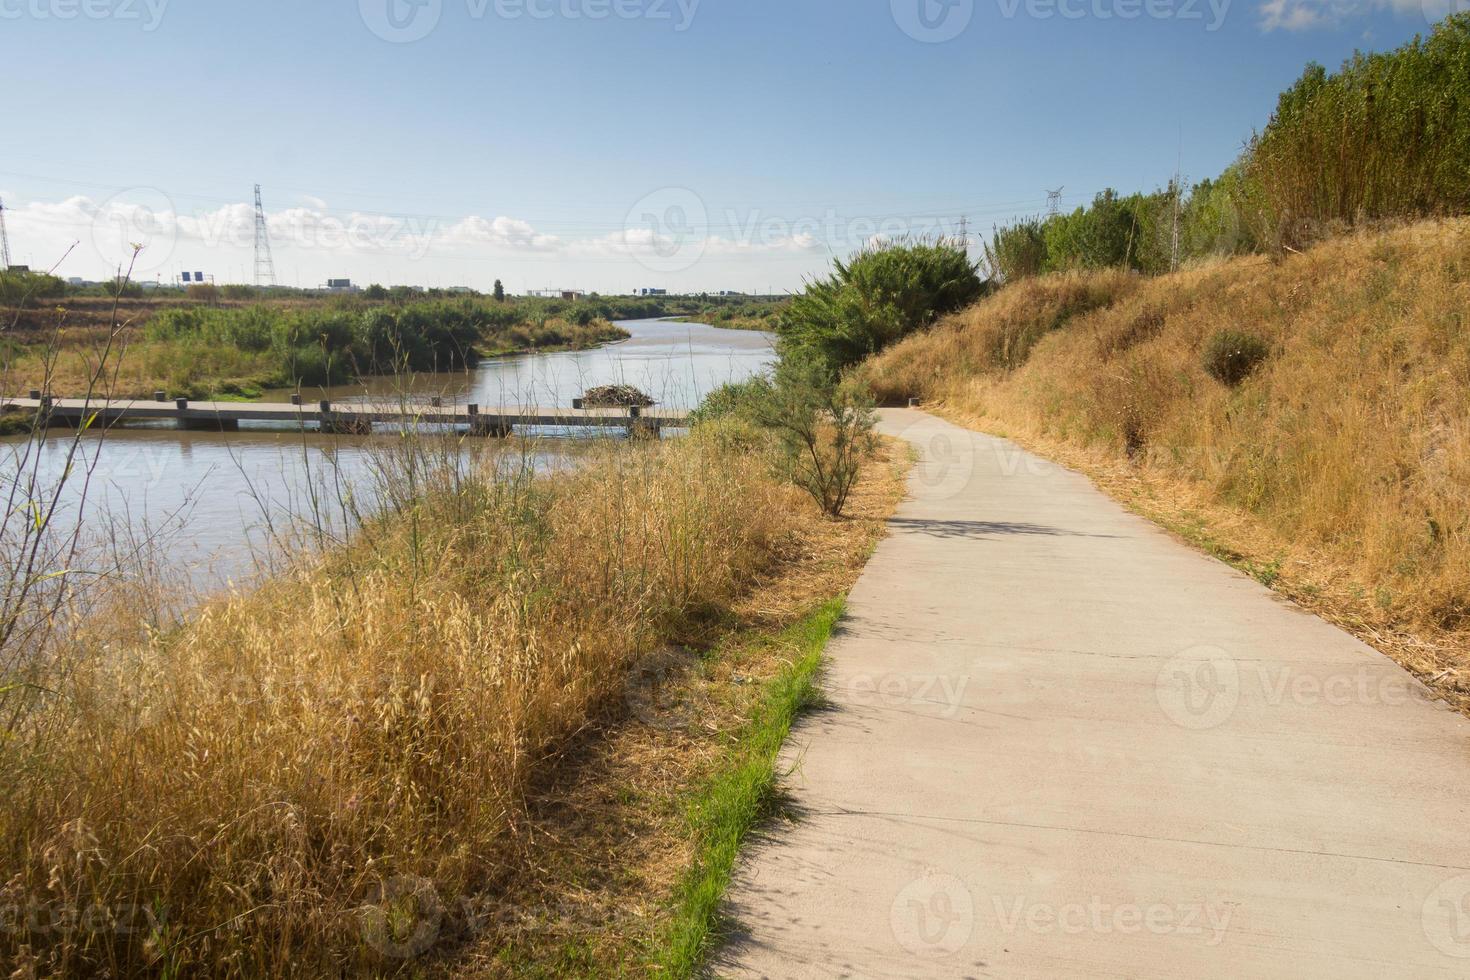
[[803, 211], [265, 266]]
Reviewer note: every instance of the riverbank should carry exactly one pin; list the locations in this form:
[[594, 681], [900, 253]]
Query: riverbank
[[296, 775], [206, 353], [763, 323]]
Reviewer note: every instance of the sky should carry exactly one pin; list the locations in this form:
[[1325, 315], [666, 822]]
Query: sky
[[611, 145]]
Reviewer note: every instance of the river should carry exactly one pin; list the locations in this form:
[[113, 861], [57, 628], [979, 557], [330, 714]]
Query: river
[[205, 502]]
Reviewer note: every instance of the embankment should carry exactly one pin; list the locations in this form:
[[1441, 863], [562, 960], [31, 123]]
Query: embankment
[[1335, 469]]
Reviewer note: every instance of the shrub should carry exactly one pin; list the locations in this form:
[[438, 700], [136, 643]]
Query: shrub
[[824, 429], [203, 292], [1230, 356], [734, 399], [16, 287], [878, 297], [1016, 251]]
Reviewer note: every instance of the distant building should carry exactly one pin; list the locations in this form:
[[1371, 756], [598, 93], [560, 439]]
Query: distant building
[[568, 294]]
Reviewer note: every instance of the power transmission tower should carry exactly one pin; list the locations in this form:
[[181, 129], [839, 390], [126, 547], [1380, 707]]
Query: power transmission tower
[[265, 267], [965, 232], [4, 241], [1054, 202]]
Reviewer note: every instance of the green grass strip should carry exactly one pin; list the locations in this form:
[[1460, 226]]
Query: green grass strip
[[724, 811]]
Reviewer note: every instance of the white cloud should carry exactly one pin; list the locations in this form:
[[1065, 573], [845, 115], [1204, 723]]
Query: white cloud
[[312, 243], [1304, 15], [501, 232]]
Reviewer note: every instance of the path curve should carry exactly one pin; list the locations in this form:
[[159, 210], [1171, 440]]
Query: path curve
[[1062, 743]]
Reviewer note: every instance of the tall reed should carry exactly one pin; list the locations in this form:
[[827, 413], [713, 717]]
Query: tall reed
[[248, 792]]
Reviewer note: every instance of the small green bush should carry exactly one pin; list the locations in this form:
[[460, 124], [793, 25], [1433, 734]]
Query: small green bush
[[738, 399], [1231, 355]]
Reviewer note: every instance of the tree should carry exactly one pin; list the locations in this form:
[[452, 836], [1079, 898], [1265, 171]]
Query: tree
[[878, 297], [499, 292]]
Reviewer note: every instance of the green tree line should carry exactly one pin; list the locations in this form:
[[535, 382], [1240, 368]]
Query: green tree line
[[1385, 137]]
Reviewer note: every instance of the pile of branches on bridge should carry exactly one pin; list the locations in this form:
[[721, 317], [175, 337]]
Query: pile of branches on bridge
[[616, 396]]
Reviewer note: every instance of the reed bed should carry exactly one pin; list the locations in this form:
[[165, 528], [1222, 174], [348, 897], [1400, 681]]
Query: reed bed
[[284, 782]]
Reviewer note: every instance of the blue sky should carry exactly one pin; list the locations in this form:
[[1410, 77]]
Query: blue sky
[[611, 144]]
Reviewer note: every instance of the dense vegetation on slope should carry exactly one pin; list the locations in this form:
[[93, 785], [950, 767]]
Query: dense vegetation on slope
[[1385, 137]]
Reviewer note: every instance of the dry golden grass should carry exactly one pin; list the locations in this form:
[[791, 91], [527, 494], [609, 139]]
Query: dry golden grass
[[1338, 469], [263, 790], [606, 837]]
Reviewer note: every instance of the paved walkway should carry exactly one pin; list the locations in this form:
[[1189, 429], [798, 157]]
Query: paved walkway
[[1064, 744]]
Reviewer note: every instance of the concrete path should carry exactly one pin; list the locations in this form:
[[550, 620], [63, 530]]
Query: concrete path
[[1064, 744]]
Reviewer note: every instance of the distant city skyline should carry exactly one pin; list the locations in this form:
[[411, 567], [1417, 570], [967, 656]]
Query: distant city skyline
[[611, 145]]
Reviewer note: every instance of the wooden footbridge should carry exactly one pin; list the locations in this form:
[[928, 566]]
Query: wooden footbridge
[[353, 418]]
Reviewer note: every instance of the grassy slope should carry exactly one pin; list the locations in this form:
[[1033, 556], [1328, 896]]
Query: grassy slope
[[1337, 472]]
